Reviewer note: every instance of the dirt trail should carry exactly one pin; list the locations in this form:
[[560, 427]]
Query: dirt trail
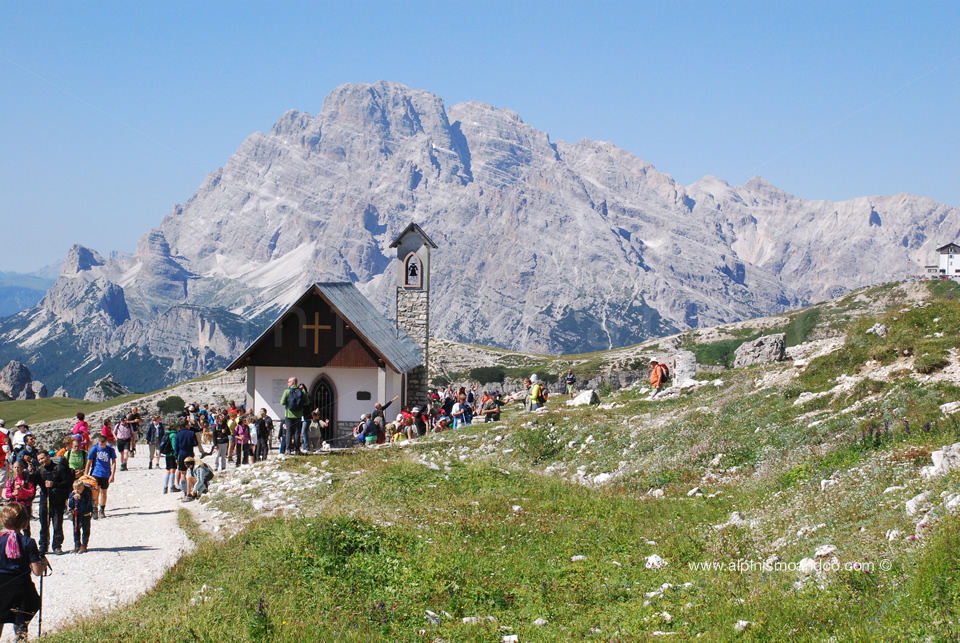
[[128, 551]]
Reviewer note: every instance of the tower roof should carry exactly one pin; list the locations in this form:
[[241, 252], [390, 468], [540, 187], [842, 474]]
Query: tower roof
[[413, 228]]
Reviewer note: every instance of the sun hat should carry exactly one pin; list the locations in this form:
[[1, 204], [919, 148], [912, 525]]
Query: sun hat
[[21, 423], [533, 378]]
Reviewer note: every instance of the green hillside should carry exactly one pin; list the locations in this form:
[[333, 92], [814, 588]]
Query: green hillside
[[731, 484]]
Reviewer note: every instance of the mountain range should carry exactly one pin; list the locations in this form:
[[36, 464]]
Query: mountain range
[[544, 246]]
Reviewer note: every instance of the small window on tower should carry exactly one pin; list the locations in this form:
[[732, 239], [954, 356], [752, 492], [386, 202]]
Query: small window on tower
[[412, 269]]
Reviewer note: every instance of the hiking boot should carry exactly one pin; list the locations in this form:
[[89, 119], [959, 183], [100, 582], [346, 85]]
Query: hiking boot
[[177, 489], [103, 513], [150, 466], [95, 514], [57, 551]]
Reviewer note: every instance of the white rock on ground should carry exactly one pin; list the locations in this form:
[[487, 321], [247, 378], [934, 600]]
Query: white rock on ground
[[914, 505], [655, 562], [585, 398], [944, 461]]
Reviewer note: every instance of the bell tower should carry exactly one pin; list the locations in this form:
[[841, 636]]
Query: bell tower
[[413, 302]]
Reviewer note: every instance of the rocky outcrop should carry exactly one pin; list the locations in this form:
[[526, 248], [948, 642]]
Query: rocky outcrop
[[766, 349], [60, 392], [685, 367], [17, 383], [106, 388]]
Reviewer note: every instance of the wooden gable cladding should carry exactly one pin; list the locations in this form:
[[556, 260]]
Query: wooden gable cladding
[[311, 334]]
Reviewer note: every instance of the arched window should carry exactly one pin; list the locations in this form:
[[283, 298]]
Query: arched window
[[412, 271]]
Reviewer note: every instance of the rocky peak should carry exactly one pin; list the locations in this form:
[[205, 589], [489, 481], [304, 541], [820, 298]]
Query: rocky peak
[[105, 388], [80, 259], [17, 383]]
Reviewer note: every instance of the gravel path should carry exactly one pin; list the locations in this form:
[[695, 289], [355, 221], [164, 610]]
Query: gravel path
[[137, 542]]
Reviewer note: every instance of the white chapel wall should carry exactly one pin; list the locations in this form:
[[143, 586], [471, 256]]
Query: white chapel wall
[[270, 381]]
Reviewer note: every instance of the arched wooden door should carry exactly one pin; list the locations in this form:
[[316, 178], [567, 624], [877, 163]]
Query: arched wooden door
[[324, 397]]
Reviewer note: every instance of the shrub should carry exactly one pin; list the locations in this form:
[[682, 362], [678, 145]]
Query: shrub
[[486, 374], [170, 405], [928, 363]]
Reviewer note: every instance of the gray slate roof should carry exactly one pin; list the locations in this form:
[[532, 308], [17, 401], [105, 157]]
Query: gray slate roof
[[393, 344], [396, 348]]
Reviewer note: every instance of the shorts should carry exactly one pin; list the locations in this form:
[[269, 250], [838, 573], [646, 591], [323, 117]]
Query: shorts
[[181, 465], [370, 439], [171, 462], [104, 483], [123, 445]]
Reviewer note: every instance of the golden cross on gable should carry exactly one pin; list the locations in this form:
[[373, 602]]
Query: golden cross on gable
[[316, 328]]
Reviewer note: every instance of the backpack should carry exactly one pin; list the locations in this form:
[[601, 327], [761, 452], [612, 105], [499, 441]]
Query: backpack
[[295, 399], [666, 373], [166, 444], [540, 395]]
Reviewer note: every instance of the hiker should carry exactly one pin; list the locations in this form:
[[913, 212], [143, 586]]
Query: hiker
[[184, 444], [154, 433], [81, 506], [168, 451], [19, 436], [20, 490], [81, 431], [102, 465], [264, 427], [126, 442], [379, 409], [204, 476], [107, 432], [189, 480], [221, 441], [491, 408], [55, 480], [77, 458], [304, 421], [19, 556], [134, 419], [6, 451], [537, 393], [294, 400], [369, 430], [571, 380], [459, 412], [316, 430], [243, 441], [656, 378], [27, 452], [67, 446]]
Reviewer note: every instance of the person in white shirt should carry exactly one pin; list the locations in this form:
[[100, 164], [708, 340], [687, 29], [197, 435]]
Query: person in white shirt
[[22, 432]]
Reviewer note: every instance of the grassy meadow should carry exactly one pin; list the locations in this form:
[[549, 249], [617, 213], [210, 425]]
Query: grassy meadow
[[478, 534]]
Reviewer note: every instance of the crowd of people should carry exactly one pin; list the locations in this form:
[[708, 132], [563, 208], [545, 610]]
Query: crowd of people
[[73, 482]]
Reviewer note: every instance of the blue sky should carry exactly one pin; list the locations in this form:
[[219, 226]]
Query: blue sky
[[112, 112]]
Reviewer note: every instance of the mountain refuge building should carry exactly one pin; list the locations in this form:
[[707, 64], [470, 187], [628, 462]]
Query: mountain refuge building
[[949, 264], [348, 355]]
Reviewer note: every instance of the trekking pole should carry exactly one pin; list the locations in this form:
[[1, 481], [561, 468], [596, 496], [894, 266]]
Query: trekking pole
[[40, 612]]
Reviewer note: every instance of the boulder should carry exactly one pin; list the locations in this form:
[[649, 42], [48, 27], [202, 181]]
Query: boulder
[[584, 398], [945, 460], [106, 388], [770, 348], [684, 367], [39, 390], [61, 392]]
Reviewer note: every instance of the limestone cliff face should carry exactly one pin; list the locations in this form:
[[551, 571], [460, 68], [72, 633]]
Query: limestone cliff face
[[543, 245]]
